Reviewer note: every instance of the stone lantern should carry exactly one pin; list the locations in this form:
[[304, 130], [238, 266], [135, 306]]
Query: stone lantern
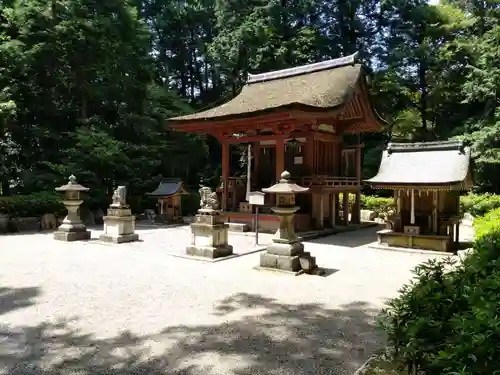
[[286, 252], [72, 228]]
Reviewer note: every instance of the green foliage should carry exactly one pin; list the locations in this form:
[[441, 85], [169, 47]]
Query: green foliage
[[32, 205], [190, 203], [86, 86], [379, 205], [487, 224], [479, 204], [446, 321], [80, 95]]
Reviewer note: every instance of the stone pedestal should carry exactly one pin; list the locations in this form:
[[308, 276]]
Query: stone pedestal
[[210, 235], [72, 228], [286, 253], [119, 225]]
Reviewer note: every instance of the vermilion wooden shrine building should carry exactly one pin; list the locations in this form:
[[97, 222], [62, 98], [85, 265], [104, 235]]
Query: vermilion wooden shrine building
[[294, 119]]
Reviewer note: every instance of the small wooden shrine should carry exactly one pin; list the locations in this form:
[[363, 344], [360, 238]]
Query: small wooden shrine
[[169, 195], [427, 179], [294, 119]]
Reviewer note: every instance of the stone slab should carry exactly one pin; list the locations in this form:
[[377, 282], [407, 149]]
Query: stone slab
[[119, 239], [72, 236], [218, 226], [286, 249], [210, 252], [307, 262], [291, 273], [238, 227], [288, 263], [268, 260]]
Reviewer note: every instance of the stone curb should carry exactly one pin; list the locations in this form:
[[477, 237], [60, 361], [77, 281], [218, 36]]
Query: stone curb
[[338, 230], [216, 260], [410, 251]]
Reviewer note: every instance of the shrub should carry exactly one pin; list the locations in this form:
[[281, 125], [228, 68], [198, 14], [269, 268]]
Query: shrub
[[479, 204], [487, 224], [32, 205], [447, 320], [379, 205], [190, 203]]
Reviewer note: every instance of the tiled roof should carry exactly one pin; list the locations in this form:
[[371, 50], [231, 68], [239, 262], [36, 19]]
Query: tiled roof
[[169, 186], [323, 85], [427, 163]]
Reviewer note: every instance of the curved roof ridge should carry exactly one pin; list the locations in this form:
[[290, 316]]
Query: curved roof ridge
[[426, 146], [304, 69]]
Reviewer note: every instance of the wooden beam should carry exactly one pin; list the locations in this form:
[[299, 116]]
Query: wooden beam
[[295, 116], [266, 137]]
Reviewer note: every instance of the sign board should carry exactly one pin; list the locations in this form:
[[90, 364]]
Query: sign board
[[256, 198]]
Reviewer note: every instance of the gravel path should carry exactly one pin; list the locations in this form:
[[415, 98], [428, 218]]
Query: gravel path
[[93, 309]]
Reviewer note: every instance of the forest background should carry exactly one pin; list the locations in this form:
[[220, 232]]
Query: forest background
[[86, 85]]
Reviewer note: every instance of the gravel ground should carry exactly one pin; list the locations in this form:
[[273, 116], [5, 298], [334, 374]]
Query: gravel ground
[[152, 240], [94, 309]]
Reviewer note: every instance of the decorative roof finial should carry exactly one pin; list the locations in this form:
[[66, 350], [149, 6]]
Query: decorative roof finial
[[72, 180], [285, 177]]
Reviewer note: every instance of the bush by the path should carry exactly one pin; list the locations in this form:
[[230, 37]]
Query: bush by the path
[[474, 204], [447, 321], [379, 205], [479, 204], [32, 205]]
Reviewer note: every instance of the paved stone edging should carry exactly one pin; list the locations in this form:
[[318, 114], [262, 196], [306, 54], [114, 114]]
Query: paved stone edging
[[215, 260], [337, 230], [411, 251]]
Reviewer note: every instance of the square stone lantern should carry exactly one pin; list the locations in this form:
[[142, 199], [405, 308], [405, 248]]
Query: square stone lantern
[[72, 228], [287, 253]]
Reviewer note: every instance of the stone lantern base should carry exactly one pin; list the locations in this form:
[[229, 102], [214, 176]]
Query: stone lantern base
[[210, 236], [72, 234], [289, 257], [119, 226]]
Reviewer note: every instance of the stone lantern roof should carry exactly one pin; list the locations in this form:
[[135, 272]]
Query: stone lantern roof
[[285, 186], [72, 185]]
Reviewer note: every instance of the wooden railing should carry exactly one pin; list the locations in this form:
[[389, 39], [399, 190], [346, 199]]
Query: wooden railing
[[327, 181], [306, 181]]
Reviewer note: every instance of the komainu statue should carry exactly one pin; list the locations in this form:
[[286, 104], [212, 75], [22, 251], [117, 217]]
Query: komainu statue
[[208, 199], [119, 197]]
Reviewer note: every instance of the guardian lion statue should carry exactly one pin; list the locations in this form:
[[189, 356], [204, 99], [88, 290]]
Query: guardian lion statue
[[119, 197], [208, 199]]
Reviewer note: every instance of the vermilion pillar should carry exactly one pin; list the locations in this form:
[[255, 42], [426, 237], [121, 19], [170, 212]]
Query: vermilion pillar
[[225, 174]]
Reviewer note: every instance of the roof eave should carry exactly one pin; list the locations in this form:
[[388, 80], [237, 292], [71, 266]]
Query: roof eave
[[459, 185], [292, 109]]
